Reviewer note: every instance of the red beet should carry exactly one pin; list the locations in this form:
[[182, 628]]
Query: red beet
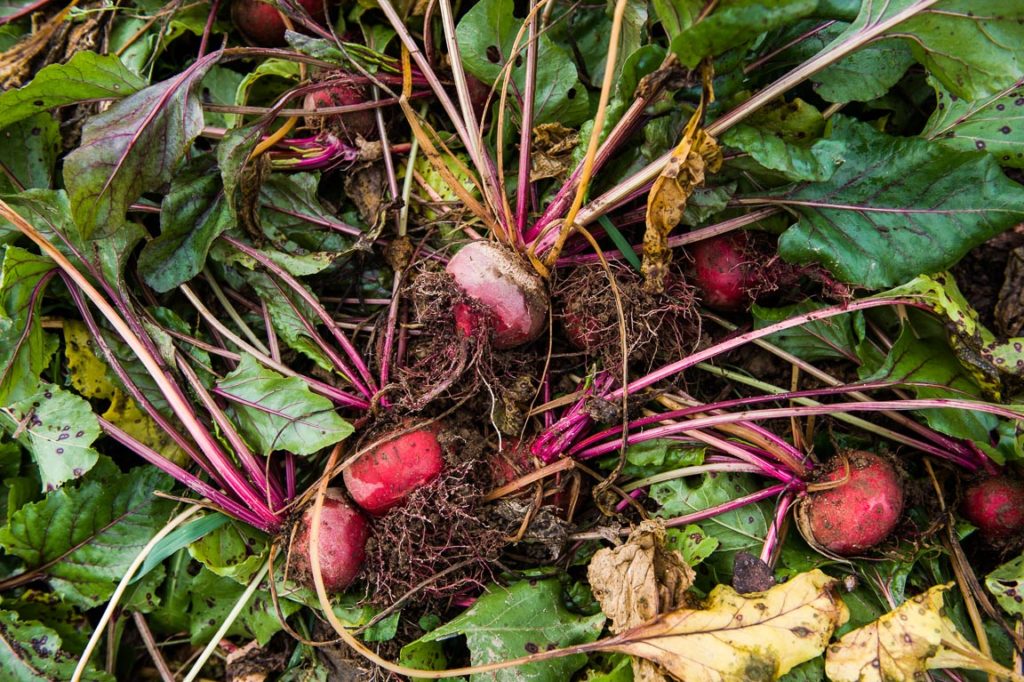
[[506, 287], [340, 94], [343, 534], [383, 477], [859, 513], [261, 23], [996, 507], [582, 330], [725, 271]]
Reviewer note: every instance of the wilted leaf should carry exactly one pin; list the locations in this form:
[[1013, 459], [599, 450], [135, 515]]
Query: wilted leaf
[[30, 652], [915, 637], [879, 229], [551, 153], [638, 581], [994, 124], [83, 537], [977, 348], [91, 377], [58, 429], [696, 154], [742, 637], [132, 147], [281, 413], [1006, 584], [85, 76]]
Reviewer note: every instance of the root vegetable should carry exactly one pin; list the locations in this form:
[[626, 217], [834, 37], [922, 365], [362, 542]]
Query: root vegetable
[[996, 507], [860, 512], [343, 535], [361, 123], [725, 271], [504, 286], [383, 477], [261, 23]]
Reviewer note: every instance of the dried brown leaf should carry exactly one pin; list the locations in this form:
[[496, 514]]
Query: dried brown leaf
[[551, 151], [696, 155], [741, 637], [638, 581]]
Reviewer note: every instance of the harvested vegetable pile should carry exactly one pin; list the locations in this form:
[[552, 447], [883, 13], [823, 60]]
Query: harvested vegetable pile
[[512, 340]]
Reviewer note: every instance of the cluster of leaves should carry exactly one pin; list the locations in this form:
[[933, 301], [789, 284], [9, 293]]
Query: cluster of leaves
[[883, 142]]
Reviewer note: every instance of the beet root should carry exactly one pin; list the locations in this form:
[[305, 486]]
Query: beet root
[[343, 535], [385, 476], [340, 94], [725, 271], [996, 507], [261, 24], [505, 287], [859, 512]]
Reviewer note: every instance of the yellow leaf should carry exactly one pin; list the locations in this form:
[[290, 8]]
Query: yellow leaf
[[638, 581], [696, 155], [904, 643], [89, 376], [736, 637]]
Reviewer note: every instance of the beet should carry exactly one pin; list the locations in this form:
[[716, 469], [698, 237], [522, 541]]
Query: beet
[[996, 507], [261, 24], [383, 477], [857, 514], [582, 330], [340, 94], [725, 271], [343, 535], [505, 287]]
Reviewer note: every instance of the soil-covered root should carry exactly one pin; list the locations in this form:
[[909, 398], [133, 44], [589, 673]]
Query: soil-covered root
[[996, 506], [439, 542], [665, 324], [342, 542], [857, 503]]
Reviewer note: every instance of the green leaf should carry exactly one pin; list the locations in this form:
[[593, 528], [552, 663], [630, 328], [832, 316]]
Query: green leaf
[[897, 207], [692, 542], [46, 607], [511, 622], [994, 124], [25, 349], [178, 539], [832, 339], [133, 147], [193, 215], [737, 530], [1006, 584], [867, 74], [655, 456], [85, 76], [30, 652], [811, 671], [487, 36], [927, 359], [58, 429], [973, 47], [786, 138], [232, 550], [281, 413], [734, 22], [677, 15], [84, 537], [28, 150]]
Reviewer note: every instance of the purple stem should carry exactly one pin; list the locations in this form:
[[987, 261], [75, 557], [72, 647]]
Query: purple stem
[[210, 18], [189, 480], [637, 494], [324, 316], [805, 410], [252, 465], [771, 540], [729, 506]]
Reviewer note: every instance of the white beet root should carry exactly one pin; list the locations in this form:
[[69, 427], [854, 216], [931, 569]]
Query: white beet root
[[500, 281]]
